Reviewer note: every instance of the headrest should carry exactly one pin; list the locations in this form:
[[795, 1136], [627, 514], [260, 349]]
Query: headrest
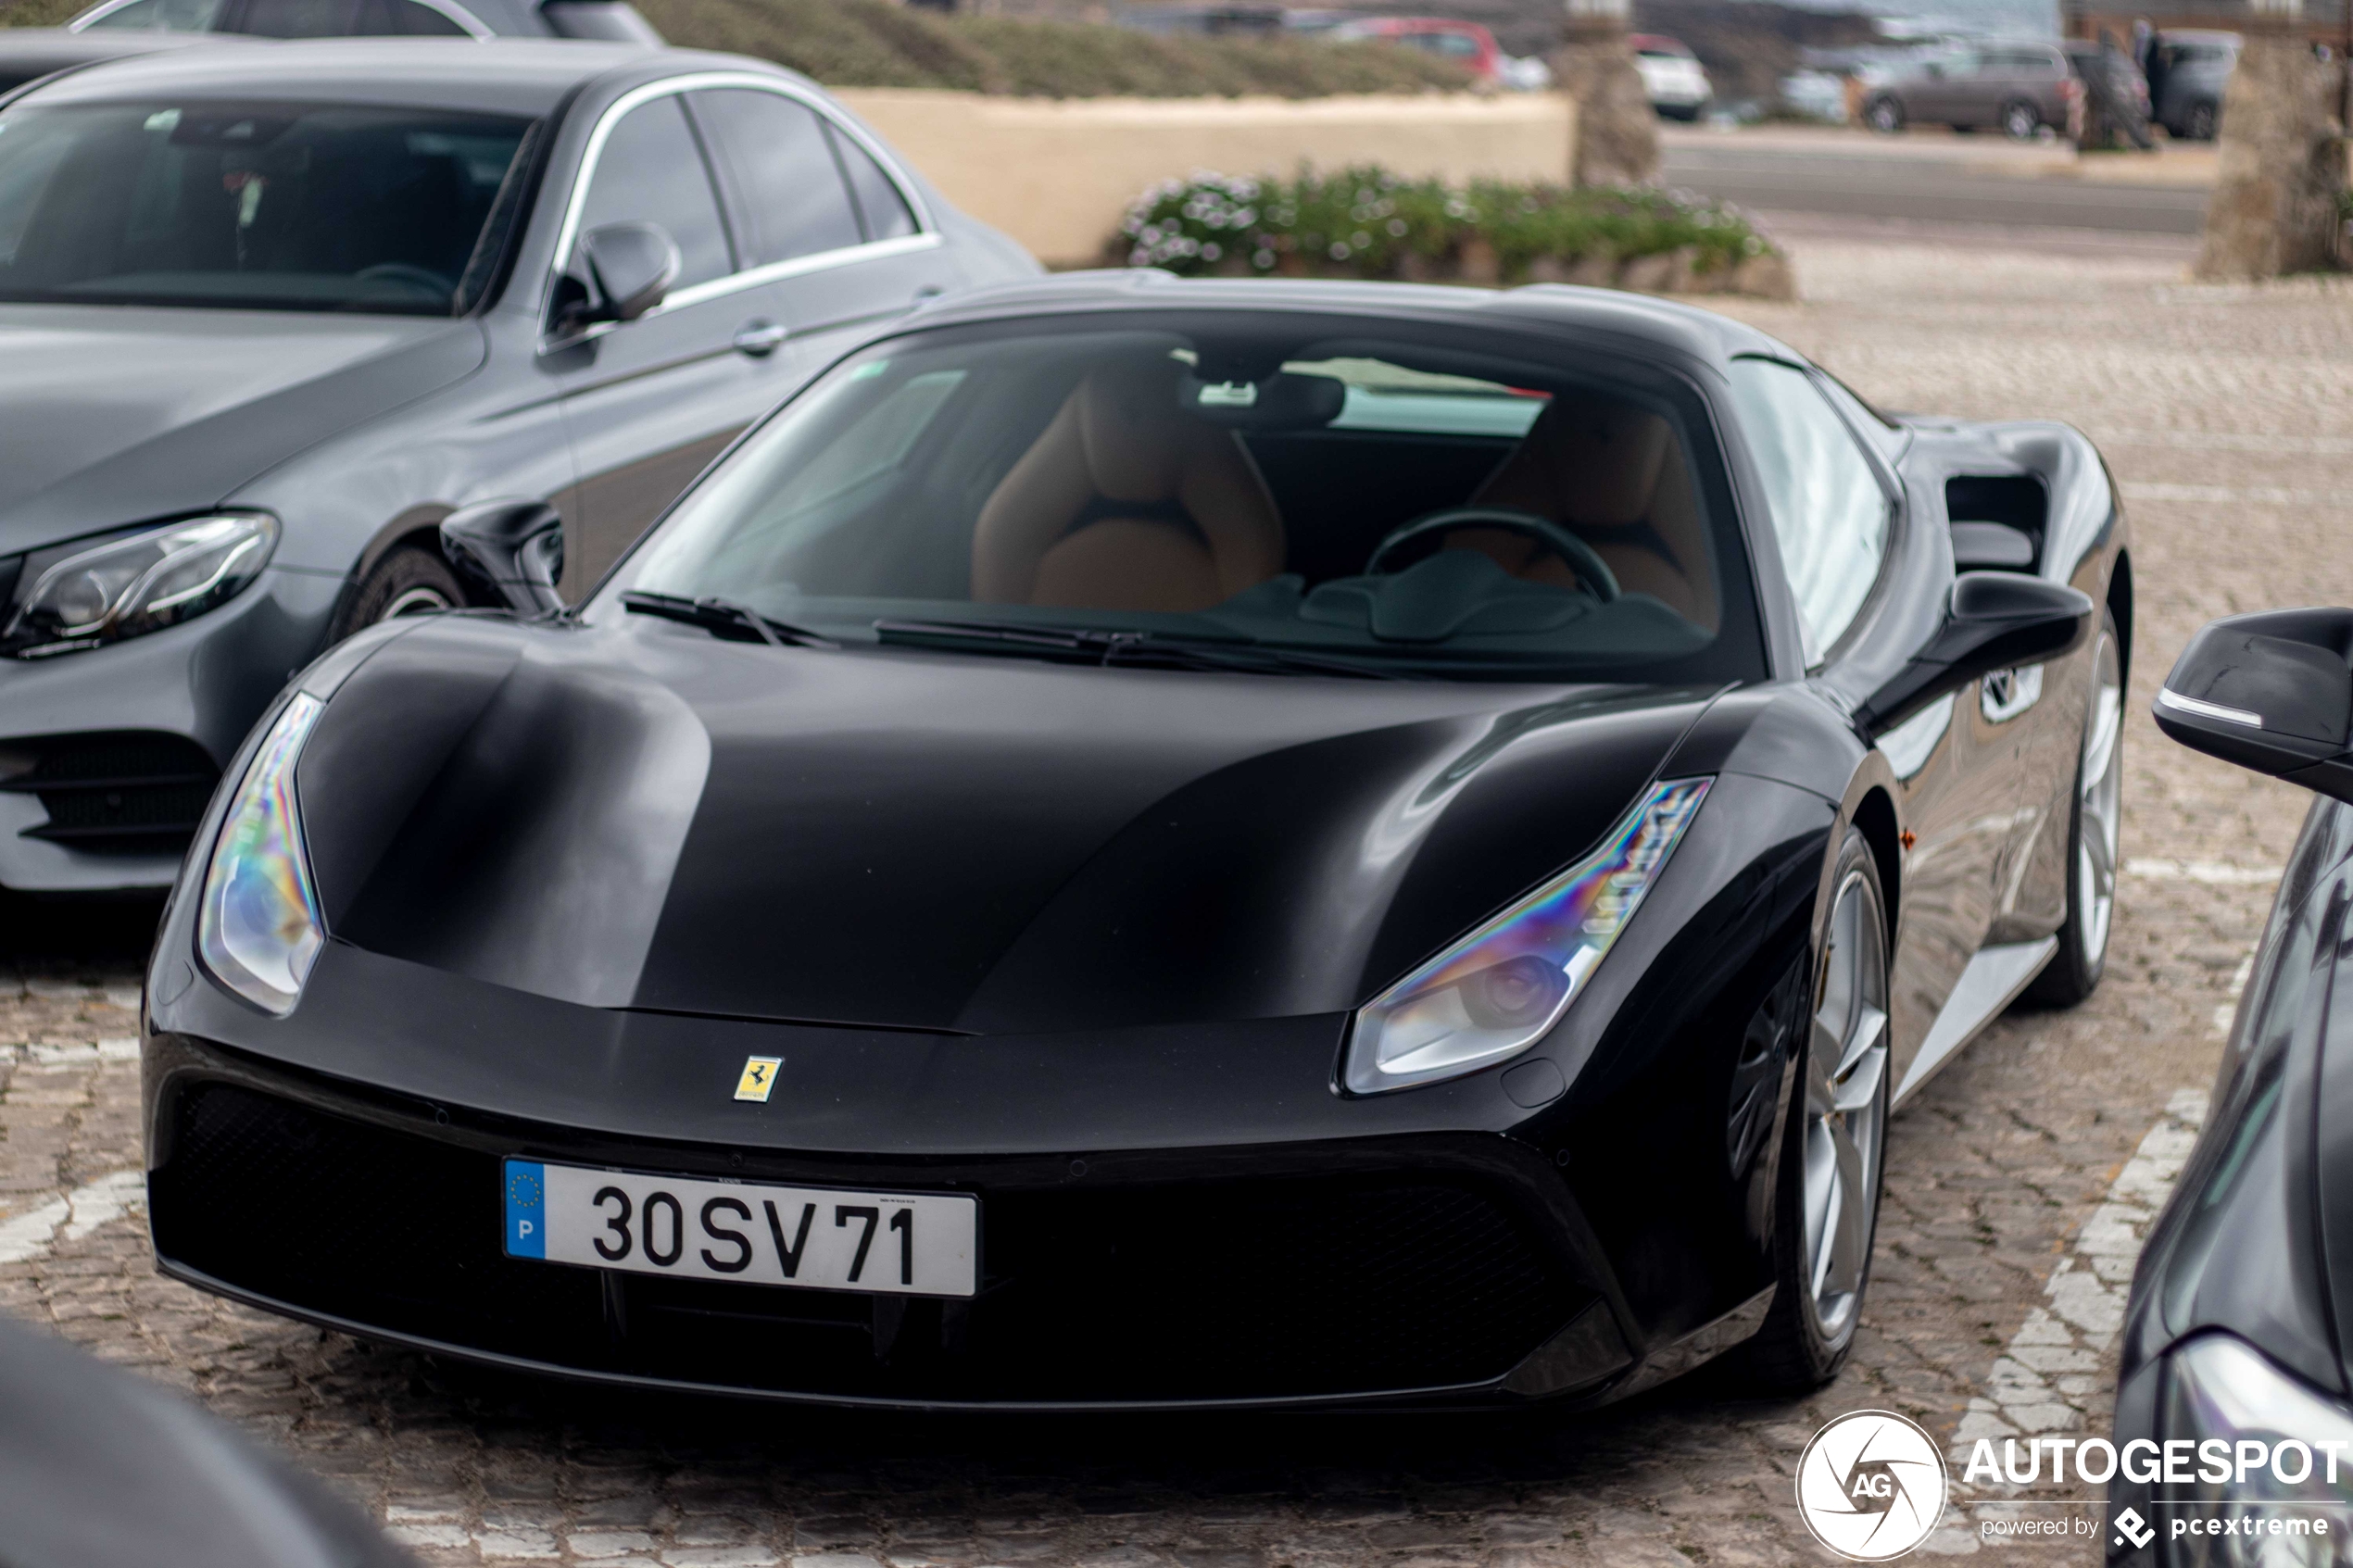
[[1131, 428], [1586, 461]]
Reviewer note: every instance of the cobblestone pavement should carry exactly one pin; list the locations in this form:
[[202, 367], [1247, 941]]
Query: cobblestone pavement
[[2017, 1183]]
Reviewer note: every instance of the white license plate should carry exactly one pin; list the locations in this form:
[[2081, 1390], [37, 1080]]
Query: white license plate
[[904, 1243]]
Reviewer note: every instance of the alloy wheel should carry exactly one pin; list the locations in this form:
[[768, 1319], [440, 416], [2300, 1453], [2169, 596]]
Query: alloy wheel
[[423, 599], [2020, 121], [1845, 1108], [2100, 801]]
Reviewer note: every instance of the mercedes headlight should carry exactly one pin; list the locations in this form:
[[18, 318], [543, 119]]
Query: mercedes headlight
[[2255, 1470], [128, 587], [1501, 988], [258, 924]]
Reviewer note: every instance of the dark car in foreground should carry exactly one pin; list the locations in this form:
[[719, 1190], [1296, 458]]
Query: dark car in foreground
[[1162, 843], [2236, 1330], [269, 313], [2019, 88], [101, 1469]]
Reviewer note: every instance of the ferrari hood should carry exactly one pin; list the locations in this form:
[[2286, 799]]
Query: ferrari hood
[[647, 817], [116, 414]]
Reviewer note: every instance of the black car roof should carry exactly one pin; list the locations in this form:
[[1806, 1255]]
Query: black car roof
[[1666, 325], [523, 76]]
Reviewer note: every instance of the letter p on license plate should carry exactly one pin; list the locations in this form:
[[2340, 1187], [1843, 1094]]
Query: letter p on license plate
[[896, 1243]]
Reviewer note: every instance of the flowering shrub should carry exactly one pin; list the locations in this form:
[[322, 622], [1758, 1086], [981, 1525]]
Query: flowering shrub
[[1366, 222]]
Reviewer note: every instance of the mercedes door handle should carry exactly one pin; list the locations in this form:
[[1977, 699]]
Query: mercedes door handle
[[759, 339]]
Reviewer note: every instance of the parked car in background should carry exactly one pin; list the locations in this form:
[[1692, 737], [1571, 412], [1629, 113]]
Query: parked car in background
[[2235, 1334], [1816, 94], [30, 53], [1677, 88], [612, 20], [2019, 88], [2186, 72], [1468, 45], [269, 314]]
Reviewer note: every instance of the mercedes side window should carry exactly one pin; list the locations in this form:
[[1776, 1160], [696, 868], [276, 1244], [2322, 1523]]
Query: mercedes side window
[[346, 19], [651, 171], [1828, 512], [160, 16], [789, 189], [881, 208]]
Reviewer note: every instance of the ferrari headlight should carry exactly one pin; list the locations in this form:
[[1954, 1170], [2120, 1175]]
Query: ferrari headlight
[[125, 587], [257, 926], [1501, 988], [2261, 1466]]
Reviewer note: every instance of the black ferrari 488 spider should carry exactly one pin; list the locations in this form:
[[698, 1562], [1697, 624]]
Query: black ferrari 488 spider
[[1145, 843]]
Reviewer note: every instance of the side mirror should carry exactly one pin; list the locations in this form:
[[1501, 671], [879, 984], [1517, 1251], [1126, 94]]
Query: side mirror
[[2272, 692], [629, 268], [515, 549], [1994, 620]]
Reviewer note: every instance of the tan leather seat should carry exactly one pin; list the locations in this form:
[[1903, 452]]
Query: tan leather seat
[[1615, 475], [1128, 502]]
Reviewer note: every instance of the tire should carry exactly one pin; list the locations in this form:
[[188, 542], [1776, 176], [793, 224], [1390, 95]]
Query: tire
[[2202, 123], [409, 580], [2020, 120], [1883, 115], [2094, 828], [1833, 1146]]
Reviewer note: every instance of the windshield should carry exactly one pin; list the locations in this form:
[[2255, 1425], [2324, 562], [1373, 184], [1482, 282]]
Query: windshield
[[1376, 497], [254, 205]]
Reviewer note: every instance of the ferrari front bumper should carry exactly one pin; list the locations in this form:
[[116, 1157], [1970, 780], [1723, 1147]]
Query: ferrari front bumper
[[1397, 1271]]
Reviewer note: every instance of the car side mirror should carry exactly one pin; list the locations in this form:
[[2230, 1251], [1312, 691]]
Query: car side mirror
[[514, 549], [1994, 621], [2271, 691], [629, 268]]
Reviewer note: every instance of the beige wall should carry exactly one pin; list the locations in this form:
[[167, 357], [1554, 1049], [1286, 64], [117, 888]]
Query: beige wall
[[1057, 174]]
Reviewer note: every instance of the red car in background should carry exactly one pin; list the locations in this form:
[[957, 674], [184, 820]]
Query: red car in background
[[1466, 43]]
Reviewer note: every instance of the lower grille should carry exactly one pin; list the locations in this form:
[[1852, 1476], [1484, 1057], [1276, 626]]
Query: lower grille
[[123, 793], [1269, 1288]]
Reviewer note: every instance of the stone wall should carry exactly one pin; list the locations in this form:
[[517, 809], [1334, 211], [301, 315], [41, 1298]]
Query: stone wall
[[1057, 175]]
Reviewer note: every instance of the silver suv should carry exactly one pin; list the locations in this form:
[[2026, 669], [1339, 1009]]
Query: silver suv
[[2019, 87]]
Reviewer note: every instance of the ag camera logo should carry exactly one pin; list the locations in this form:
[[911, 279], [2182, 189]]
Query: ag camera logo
[[1871, 1486]]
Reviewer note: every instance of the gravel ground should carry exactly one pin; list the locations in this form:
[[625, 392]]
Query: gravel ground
[[2016, 1184]]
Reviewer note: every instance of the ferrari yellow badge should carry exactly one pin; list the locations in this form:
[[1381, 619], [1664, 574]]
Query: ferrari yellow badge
[[759, 1077]]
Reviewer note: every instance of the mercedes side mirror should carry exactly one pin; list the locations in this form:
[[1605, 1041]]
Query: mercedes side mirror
[[514, 549], [2271, 691], [629, 268], [1994, 621]]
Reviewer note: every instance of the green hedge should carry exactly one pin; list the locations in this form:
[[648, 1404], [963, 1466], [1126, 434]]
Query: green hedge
[[1366, 222]]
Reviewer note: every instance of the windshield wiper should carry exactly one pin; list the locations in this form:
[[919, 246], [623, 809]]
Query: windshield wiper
[[722, 616], [1162, 650]]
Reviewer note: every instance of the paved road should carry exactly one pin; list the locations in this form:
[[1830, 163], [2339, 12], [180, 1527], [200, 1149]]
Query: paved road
[[1939, 184], [2228, 414]]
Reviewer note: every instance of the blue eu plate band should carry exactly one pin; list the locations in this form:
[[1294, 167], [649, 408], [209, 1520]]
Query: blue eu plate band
[[526, 1188]]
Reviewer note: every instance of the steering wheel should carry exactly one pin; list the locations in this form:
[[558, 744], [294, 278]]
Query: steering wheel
[[402, 272], [1590, 569]]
